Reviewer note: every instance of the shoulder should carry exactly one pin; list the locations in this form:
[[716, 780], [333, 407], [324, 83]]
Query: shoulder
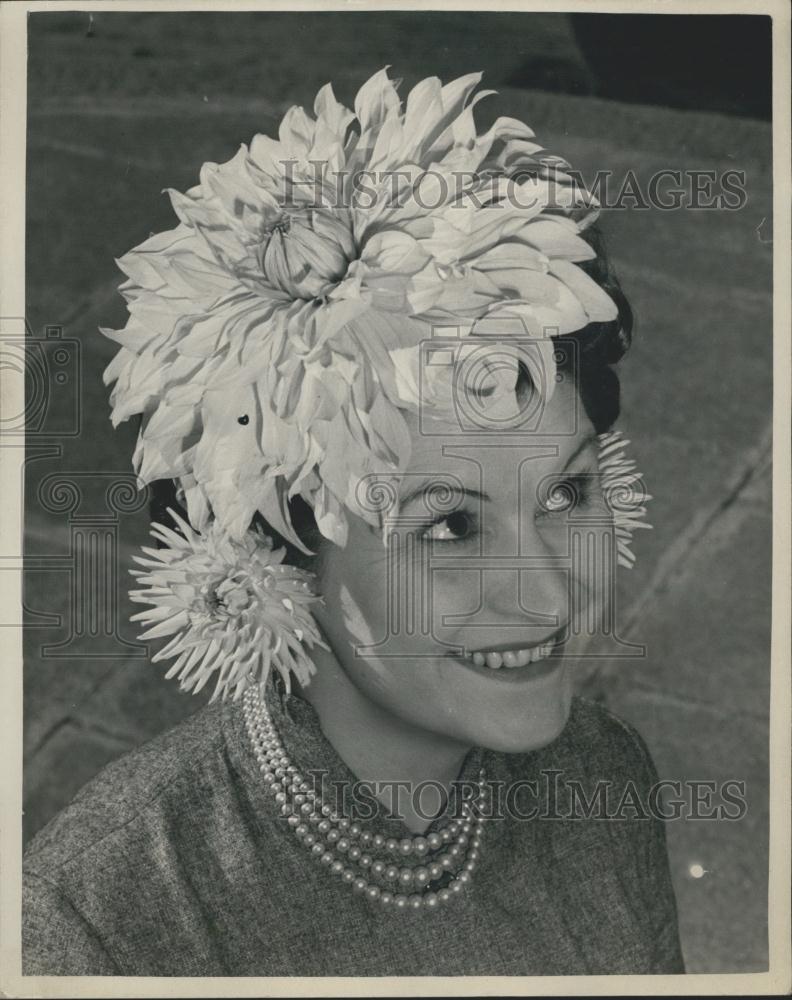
[[170, 773], [135, 865], [605, 740]]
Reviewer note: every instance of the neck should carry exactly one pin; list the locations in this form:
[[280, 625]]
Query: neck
[[379, 747]]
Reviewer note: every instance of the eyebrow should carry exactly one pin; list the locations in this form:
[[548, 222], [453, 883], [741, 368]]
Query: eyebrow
[[421, 490]]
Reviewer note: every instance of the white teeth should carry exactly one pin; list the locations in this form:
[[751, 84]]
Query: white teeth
[[513, 658]]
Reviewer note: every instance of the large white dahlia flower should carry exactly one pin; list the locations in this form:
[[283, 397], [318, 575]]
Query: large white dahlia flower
[[273, 340]]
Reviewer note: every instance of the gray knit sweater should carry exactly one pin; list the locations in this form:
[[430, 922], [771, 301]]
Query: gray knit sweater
[[174, 861]]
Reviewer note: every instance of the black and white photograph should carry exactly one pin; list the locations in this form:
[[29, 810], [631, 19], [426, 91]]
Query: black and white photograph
[[395, 458]]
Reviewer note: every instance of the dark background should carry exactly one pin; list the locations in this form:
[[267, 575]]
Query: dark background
[[122, 105]]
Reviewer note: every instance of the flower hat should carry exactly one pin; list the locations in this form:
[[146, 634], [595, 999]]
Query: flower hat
[[274, 342], [273, 339]]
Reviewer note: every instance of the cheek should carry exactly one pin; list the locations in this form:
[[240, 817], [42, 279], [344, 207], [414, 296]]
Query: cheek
[[354, 588]]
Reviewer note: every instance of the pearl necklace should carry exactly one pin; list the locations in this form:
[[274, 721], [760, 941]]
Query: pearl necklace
[[447, 858]]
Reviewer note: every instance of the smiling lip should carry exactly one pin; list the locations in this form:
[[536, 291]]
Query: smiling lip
[[513, 661], [507, 647]]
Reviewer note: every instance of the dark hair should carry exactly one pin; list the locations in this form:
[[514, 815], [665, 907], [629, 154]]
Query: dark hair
[[596, 348], [599, 346]]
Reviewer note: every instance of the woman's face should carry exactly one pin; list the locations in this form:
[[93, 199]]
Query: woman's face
[[464, 623]]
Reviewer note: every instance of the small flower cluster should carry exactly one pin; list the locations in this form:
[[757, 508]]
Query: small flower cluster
[[232, 608], [622, 487]]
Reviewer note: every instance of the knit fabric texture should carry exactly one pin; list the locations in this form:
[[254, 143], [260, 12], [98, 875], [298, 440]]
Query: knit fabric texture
[[175, 861]]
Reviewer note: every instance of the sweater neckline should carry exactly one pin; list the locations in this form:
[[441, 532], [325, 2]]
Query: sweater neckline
[[300, 731]]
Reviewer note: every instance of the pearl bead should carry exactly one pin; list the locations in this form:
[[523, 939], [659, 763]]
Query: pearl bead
[[348, 876], [365, 860], [420, 845], [317, 850], [299, 799], [365, 837], [337, 867], [447, 862], [453, 851], [360, 885], [301, 830], [326, 810], [354, 853], [415, 902], [475, 843], [443, 896], [434, 840], [286, 811], [268, 778], [400, 902], [456, 886], [326, 858], [430, 901], [373, 892], [379, 840], [435, 870], [309, 839], [306, 809], [293, 820], [386, 898], [280, 796], [463, 877], [391, 844], [324, 826], [469, 866], [391, 873], [405, 847], [343, 823], [314, 820], [333, 836], [405, 876], [342, 844], [421, 875], [378, 868], [473, 855], [354, 830]]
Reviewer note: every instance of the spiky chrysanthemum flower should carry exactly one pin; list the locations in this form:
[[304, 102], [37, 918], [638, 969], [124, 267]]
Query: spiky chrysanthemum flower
[[232, 608], [273, 339], [624, 493]]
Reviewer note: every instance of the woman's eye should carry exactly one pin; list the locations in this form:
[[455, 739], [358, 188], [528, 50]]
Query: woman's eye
[[564, 495], [455, 527]]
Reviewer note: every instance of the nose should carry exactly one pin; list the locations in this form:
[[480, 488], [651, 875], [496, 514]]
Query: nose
[[524, 585], [545, 583]]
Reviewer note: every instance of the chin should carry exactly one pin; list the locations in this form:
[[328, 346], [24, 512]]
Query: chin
[[526, 723]]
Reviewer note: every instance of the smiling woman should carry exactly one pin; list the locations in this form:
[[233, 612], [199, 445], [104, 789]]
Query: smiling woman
[[396, 506]]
